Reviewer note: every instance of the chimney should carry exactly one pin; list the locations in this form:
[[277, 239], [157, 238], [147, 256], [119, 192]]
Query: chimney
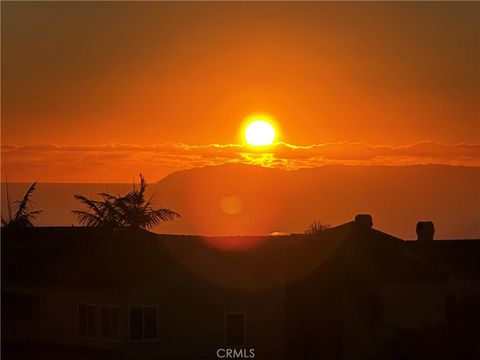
[[425, 231], [364, 219]]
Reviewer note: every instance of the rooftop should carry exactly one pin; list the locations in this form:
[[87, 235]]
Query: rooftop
[[122, 260]]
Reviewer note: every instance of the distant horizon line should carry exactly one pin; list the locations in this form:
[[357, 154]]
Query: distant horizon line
[[2, 182]]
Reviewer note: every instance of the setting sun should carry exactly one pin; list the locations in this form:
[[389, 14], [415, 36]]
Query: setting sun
[[259, 133]]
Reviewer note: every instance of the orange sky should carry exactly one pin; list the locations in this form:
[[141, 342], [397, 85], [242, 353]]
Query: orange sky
[[94, 92]]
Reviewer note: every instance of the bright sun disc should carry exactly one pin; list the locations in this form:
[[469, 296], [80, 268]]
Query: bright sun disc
[[259, 132]]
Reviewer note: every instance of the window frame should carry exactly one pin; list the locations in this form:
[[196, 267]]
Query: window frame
[[157, 323], [109, 306]]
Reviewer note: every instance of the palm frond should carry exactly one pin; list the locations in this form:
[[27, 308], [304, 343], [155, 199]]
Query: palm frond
[[90, 203], [25, 202], [87, 218], [107, 196], [23, 217]]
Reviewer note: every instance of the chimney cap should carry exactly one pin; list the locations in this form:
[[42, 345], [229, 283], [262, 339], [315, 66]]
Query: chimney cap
[[364, 219], [425, 230]]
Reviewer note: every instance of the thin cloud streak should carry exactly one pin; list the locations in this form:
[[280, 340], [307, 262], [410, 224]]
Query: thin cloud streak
[[119, 162]]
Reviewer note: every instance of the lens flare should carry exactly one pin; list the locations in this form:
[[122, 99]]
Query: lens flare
[[231, 205]]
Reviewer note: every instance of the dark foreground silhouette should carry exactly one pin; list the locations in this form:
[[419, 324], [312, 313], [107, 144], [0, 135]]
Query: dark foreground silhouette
[[348, 292]]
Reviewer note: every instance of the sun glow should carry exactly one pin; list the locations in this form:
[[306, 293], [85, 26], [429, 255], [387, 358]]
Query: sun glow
[[259, 132]]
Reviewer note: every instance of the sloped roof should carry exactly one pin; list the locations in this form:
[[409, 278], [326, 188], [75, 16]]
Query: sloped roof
[[371, 251], [122, 260], [459, 257], [79, 257]]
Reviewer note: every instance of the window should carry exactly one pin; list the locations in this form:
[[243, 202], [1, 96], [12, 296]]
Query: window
[[235, 328], [110, 322], [87, 320], [143, 323], [17, 306]]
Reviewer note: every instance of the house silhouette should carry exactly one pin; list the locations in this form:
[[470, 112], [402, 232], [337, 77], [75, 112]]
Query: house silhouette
[[351, 292]]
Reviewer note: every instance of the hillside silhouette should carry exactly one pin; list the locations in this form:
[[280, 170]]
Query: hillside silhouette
[[235, 199], [277, 200]]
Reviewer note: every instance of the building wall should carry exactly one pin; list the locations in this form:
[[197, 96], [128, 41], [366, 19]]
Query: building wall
[[192, 317], [57, 320], [413, 304]]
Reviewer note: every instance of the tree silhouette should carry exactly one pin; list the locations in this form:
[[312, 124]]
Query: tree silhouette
[[99, 214], [131, 210], [316, 227], [24, 216]]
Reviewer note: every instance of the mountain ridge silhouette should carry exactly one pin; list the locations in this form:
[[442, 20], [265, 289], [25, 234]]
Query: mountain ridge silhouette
[[396, 196], [271, 200]]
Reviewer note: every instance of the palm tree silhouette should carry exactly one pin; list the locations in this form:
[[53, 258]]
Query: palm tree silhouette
[[99, 214], [24, 216], [131, 210]]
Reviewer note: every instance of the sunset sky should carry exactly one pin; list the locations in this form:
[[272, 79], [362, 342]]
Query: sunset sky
[[97, 92]]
